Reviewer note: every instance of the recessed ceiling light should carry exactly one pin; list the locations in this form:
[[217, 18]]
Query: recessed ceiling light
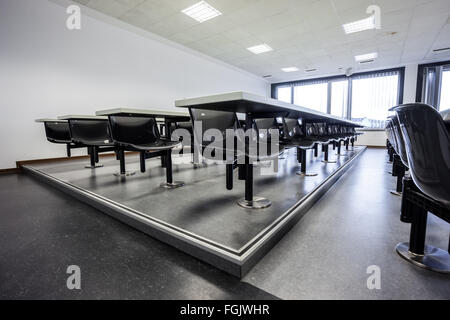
[[201, 11], [260, 48], [360, 25], [366, 57], [290, 69]]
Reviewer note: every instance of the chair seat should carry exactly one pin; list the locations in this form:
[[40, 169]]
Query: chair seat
[[105, 143], [156, 146], [301, 143]]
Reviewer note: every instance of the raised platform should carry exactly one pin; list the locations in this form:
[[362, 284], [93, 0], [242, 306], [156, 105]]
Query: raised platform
[[201, 218]]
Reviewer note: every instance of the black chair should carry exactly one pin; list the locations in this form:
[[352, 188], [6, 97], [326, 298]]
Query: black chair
[[227, 127], [400, 161], [324, 138], [141, 134], [93, 133], [58, 131], [427, 144], [295, 136]]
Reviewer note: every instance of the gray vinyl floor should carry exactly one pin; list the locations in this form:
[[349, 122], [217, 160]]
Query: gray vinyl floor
[[355, 225], [325, 256]]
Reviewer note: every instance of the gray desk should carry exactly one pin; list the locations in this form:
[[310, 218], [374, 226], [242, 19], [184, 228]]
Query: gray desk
[[81, 117], [255, 106], [259, 106]]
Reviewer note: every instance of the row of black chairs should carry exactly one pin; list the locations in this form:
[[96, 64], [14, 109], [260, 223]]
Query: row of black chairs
[[419, 146], [141, 134], [115, 134], [292, 133]]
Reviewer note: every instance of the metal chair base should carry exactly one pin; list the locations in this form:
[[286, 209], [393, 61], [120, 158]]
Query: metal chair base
[[434, 259], [173, 185], [307, 174], [88, 166], [126, 174], [329, 161], [257, 203], [396, 193]]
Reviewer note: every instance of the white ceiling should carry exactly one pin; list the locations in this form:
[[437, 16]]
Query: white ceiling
[[303, 33]]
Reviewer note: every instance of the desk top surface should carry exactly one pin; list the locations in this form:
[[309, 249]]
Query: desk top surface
[[244, 102], [48, 120], [149, 112], [81, 117]]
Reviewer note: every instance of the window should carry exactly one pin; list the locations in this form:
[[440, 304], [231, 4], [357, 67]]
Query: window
[[445, 91], [312, 95], [435, 85], [339, 98], [284, 94], [365, 97], [373, 96]]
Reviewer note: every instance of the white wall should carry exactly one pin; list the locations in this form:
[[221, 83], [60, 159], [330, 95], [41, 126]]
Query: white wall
[[378, 138], [47, 70]]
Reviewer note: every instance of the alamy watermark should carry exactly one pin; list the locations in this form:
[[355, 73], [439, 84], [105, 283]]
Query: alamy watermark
[[374, 280], [230, 146], [73, 22], [74, 280]]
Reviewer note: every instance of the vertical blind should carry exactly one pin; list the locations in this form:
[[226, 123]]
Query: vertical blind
[[284, 94], [339, 98], [313, 95], [445, 91], [372, 96], [365, 98]]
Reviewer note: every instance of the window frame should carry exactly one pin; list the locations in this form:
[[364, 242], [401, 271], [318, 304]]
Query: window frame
[[420, 89], [330, 79]]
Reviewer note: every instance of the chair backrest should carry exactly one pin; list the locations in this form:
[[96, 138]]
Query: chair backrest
[[211, 119], [427, 144], [133, 130], [264, 128], [90, 132], [311, 130], [399, 141], [58, 131], [292, 129], [391, 135], [388, 131]]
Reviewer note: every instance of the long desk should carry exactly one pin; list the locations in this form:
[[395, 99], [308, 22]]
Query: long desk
[[254, 106]]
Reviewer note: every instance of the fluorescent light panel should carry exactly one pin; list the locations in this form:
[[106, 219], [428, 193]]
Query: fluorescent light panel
[[260, 48], [366, 57], [290, 69], [201, 11], [360, 25]]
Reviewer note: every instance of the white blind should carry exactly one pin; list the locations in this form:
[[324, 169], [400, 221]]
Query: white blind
[[284, 94], [445, 91], [339, 98], [372, 96], [313, 95]]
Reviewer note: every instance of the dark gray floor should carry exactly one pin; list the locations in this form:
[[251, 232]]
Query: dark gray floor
[[42, 231], [356, 224]]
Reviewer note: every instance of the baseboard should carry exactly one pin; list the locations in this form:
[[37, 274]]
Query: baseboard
[[9, 171]]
